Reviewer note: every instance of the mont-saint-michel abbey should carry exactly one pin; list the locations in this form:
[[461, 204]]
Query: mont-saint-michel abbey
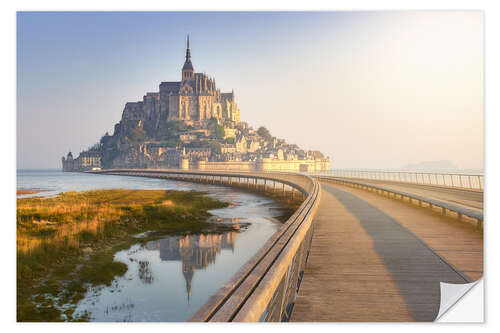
[[191, 124]]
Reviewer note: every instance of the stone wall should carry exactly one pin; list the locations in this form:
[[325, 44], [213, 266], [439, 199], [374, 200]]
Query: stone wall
[[230, 165], [266, 164]]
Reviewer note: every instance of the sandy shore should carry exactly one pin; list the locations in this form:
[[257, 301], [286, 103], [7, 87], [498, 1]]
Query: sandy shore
[[33, 191]]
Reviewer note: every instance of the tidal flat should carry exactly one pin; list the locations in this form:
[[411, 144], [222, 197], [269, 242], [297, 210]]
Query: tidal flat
[[66, 244]]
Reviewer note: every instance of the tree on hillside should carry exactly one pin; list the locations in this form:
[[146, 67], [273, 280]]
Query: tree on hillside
[[264, 133], [137, 134], [216, 129], [178, 126], [215, 148], [172, 142], [95, 147], [219, 132]]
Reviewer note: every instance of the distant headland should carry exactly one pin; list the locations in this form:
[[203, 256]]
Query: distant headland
[[191, 124]]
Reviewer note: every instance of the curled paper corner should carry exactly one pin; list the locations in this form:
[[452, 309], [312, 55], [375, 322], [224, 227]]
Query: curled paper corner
[[451, 294]]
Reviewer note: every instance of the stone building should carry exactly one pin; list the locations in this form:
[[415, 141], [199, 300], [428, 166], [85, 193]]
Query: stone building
[[194, 100], [241, 144], [198, 154], [68, 162], [88, 160], [175, 158], [253, 145], [188, 137], [230, 132], [228, 148]]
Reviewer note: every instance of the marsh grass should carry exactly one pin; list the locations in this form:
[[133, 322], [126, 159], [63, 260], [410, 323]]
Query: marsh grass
[[67, 243]]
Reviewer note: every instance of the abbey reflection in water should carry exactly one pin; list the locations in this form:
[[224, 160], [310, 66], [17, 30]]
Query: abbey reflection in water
[[194, 251]]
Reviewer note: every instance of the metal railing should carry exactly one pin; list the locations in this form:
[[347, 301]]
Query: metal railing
[[457, 180], [432, 203], [265, 287]]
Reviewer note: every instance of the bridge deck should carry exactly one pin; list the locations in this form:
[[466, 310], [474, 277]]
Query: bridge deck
[[378, 259]]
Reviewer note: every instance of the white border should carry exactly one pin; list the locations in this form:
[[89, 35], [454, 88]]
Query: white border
[[8, 90]]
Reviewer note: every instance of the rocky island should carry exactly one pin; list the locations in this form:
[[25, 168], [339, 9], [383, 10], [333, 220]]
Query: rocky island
[[191, 124]]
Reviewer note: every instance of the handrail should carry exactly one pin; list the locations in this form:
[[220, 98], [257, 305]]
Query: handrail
[[265, 287], [420, 199], [243, 174], [453, 180]]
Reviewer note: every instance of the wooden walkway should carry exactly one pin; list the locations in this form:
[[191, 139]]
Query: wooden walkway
[[378, 259]]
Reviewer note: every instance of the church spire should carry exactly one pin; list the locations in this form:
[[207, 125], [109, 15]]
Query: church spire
[[187, 69], [188, 50]]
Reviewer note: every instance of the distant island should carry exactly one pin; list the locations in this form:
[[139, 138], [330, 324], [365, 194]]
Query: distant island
[[191, 124]]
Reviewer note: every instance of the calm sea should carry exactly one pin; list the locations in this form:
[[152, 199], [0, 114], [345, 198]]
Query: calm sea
[[168, 279]]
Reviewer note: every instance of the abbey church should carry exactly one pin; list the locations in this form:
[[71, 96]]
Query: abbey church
[[194, 100]]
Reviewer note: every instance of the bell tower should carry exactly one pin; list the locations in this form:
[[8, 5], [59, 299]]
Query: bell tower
[[187, 69]]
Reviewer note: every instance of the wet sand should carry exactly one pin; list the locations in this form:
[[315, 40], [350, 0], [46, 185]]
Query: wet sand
[[30, 191]]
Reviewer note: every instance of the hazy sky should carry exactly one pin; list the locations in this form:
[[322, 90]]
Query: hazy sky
[[369, 89]]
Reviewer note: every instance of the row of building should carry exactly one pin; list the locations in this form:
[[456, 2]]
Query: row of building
[[87, 160]]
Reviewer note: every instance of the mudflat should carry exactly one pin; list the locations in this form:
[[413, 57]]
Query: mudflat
[[66, 244]]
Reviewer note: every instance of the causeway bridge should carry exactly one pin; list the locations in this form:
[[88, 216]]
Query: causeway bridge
[[362, 247]]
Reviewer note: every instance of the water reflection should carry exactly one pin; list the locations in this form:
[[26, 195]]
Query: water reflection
[[193, 251], [170, 278]]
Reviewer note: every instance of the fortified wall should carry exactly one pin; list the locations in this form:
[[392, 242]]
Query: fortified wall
[[267, 164]]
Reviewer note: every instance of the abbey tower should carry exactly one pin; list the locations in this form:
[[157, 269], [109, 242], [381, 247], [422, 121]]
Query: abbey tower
[[194, 100]]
